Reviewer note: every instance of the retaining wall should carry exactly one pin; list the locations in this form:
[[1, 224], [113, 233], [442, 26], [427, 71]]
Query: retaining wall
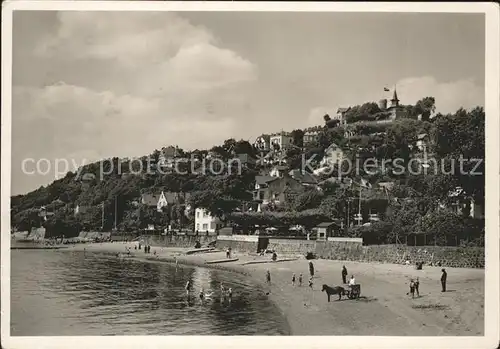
[[291, 247], [463, 257], [177, 240], [242, 243]]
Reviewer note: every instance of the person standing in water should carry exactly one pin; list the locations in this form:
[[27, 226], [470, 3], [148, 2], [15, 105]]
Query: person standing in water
[[344, 275], [230, 294], [202, 295], [188, 287], [268, 277], [293, 279]]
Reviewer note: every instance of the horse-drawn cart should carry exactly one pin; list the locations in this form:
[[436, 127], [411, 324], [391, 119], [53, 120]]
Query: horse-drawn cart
[[354, 291]]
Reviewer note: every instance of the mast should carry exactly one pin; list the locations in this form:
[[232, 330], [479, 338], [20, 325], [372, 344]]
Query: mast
[[359, 207], [115, 211]]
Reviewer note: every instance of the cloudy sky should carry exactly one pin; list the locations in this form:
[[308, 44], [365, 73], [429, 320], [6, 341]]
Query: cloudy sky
[[91, 85]]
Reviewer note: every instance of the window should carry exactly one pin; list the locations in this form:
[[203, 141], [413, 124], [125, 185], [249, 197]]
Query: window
[[198, 214], [205, 226], [198, 226]]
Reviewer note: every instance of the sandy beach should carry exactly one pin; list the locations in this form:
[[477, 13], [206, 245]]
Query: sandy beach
[[383, 309]]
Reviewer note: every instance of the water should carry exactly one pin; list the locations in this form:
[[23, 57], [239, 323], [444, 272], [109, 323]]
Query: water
[[75, 294]]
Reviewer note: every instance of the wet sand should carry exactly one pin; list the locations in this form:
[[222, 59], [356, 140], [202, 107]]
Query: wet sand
[[383, 309]]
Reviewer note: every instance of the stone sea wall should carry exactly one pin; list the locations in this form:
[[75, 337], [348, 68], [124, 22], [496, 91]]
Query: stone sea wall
[[242, 243], [337, 249], [462, 257], [178, 240], [291, 247]]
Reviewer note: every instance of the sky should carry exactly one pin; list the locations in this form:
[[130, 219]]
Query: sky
[[92, 85]]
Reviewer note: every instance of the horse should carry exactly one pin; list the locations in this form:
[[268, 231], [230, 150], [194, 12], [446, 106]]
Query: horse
[[333, 290]]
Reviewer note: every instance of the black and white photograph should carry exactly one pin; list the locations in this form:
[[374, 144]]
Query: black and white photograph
[[178, 171]]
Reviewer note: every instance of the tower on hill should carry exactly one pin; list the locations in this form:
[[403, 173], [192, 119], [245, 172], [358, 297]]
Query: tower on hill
[[395, 100]]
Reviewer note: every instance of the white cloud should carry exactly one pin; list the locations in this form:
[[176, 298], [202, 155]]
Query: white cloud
[[181, 84], [450, 96]]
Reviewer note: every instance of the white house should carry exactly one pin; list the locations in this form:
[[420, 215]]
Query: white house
[[311, 135], [162, 202], [281, 141], [333, 155], [278, 171], [204, 222]]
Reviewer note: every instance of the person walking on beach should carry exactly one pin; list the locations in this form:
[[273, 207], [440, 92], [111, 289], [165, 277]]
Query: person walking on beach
[[230, 294], [311, 282], [344, 275], [293, 279], [230, 251], [300, 279], [188, 287], [417, 283], [443, 280], [227, 253], [311, 269], [268, 277]]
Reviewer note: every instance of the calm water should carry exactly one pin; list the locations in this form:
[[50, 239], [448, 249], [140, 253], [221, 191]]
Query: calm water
[[69, 293]]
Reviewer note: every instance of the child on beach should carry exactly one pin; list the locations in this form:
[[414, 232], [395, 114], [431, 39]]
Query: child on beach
[[412, 288], [300, 279], [268, 277], [293, 279]]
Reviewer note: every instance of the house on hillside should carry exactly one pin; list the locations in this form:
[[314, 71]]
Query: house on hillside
[[386, 187], [423, 142], [204, 222], [245, 160], [463, 204], [340, 116], [311, 135], [395, 110], [164, 199], [263, 143], [274, 189], [278, 171], [305, 178], [333, 156], [281, 141]]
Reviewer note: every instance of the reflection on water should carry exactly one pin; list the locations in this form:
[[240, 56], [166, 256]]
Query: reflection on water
[[69, 293]]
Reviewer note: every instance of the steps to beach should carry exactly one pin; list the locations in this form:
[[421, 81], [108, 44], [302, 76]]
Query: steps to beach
[[271, 261], [222, 261], [202, 250]]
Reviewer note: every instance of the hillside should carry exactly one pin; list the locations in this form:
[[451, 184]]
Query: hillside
[[450, 137]]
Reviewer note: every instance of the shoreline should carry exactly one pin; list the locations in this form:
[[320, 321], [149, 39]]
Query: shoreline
[[383, 308]]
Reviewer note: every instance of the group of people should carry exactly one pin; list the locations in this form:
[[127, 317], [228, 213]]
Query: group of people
[[294, 278], [224, 293]]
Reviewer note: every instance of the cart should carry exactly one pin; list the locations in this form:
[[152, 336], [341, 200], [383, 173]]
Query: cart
[[353, 291]]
